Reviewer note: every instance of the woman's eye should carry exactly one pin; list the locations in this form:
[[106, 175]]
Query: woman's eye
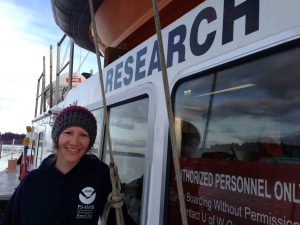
[[84, 135]]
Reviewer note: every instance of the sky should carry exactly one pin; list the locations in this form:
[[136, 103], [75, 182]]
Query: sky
[[27, 31]]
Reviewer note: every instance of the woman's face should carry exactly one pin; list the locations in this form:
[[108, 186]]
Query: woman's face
[[73, 143]]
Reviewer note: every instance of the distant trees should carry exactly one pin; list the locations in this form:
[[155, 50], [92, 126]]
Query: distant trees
[[7, 138]]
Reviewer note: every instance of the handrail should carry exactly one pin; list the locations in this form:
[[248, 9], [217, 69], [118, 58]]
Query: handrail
[[42, 79], [50, 85], [43, 97], [37, 95], [11, 153]]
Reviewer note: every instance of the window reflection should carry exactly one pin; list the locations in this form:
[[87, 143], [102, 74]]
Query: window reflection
[[98, 141], [248, 112], [39, 150], [128, 129]]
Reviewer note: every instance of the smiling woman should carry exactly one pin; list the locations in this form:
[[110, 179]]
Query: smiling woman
[[74, 184], [74, 133]]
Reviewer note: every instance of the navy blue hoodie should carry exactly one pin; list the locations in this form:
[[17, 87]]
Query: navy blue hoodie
[[48, 197]]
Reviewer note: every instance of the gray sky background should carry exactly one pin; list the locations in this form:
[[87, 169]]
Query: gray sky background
[[27, 31]]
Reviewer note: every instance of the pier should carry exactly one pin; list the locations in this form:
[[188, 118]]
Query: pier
[[8, 182]]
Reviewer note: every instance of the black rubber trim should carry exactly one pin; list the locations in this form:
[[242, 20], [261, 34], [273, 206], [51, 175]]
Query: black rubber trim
[[73, 18]]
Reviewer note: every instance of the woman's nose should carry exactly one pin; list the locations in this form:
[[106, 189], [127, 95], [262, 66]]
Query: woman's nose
[[74, 139]]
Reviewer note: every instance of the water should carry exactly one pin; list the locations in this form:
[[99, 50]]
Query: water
[[8, 152]]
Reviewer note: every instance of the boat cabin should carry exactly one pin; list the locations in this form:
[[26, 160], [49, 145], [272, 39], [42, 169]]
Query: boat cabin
[[234, 77]]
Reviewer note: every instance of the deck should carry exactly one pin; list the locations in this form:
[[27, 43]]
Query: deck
[[8, 183]]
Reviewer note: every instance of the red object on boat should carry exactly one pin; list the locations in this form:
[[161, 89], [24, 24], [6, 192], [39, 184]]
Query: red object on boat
[[126, 23], [23, 172], [120, 24]]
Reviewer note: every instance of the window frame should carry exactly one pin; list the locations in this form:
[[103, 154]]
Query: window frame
[[146, 90], [214, 70]]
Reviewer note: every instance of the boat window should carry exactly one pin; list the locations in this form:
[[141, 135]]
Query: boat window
[[39, 150], [239, 132], [128, 129], [98, 141]]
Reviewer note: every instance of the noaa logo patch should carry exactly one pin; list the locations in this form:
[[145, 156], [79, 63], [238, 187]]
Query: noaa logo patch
[[87, 195]]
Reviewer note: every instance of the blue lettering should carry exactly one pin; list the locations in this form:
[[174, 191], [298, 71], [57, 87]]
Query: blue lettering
[[128, 70], [118, 75], [178, 40], [199, 49], [249, 8], [154, 60], [139, 64], [179, 47], [109, 77]]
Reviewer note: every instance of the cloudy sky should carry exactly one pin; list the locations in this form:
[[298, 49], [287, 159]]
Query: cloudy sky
[[27, 31]]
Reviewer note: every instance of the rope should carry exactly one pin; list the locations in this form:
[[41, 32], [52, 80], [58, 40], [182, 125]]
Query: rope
[[114, 201], [170, 114], [115, 197]]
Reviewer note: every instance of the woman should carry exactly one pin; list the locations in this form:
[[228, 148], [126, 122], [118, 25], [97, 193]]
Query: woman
[[70, 186]]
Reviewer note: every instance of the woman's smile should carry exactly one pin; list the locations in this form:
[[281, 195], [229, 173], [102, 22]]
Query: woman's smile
[[73, 143]]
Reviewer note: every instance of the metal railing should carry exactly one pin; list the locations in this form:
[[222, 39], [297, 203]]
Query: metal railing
[[42, 95]]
